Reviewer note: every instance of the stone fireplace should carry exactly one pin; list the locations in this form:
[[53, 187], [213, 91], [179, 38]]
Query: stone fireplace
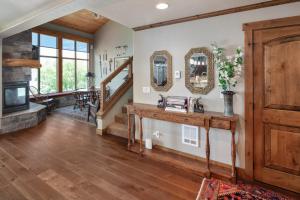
[[18, 112]]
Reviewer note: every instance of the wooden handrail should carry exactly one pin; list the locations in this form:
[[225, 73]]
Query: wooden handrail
[[107, 101]]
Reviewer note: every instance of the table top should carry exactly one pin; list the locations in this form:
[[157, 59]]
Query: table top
[[206, 114]]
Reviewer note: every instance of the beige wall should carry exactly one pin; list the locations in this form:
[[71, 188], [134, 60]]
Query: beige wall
[[109, 36], [178, 39]]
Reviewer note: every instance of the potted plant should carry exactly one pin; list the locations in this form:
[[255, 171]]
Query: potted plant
[[230, 70]]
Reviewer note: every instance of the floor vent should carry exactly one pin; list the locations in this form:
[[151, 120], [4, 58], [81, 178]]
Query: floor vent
[[190, 135]]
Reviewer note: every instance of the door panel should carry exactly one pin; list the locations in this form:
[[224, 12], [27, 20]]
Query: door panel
[[282, 66], [282, 148], [277, 107]]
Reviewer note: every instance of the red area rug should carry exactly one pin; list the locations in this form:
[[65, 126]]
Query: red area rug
[[213, 189]]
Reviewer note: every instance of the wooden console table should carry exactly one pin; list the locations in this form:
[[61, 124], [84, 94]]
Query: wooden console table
[[207, 120]]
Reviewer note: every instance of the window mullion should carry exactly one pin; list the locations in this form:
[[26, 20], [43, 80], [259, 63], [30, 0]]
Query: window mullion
[[39, 70], [60, 63], [75, 43]]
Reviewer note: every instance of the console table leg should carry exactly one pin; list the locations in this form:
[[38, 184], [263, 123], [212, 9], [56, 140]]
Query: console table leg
[[233, 152], [141, 136], [133, 129], [207, 150], [129, 131]]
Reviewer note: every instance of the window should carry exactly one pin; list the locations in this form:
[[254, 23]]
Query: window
[[75, 64], [74, 61], [82, 57], [49, 61]]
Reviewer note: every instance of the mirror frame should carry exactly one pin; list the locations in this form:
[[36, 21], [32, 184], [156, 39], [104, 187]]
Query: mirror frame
[[169, 84], [210, 71]]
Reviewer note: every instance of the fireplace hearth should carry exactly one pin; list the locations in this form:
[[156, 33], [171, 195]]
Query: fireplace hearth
[[15, 96]]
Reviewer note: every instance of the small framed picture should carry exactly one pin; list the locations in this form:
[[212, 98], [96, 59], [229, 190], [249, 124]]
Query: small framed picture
[[118, 61]]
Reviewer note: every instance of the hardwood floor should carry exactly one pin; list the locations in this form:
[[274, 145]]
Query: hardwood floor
[[64, 159]]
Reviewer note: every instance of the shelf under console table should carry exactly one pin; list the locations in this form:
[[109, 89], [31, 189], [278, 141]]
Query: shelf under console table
[[205, 120]]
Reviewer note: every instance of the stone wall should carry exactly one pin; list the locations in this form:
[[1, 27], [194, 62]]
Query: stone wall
[[18, 46], [16, 74], [65, 101], [23, 119]]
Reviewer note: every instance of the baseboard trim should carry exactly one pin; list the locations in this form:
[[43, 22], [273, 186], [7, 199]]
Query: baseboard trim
[[241, 173]]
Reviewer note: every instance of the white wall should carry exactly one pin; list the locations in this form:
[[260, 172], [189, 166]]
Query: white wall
[[178, 39], [107, 38]]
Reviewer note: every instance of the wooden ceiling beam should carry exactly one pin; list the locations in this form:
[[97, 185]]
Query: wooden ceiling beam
[[216, 13]]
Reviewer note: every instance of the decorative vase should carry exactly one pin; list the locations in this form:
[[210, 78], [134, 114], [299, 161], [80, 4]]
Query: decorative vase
[[228, 102]]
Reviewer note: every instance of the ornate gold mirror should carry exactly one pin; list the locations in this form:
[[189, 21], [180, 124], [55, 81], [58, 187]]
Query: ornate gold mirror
[[161, 70], [199, 70]]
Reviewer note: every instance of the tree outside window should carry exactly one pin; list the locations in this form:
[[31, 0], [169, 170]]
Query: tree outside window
[[75, 60]]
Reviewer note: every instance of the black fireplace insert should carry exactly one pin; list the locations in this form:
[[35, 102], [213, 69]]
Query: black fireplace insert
[[15, 96]]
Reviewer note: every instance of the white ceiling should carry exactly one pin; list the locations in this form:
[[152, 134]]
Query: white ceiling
[[20, 15], [133, 13], [14, 11]]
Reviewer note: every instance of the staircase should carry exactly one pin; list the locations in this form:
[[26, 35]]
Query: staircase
[[119, 126]]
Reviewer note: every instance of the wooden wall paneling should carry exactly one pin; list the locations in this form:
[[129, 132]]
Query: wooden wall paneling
[[82, 20]]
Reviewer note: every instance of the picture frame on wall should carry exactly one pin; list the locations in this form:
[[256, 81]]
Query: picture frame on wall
[[118, 61]]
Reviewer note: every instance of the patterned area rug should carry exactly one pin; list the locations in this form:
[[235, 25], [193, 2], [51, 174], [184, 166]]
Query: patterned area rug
[[75, 113], [213, 189]]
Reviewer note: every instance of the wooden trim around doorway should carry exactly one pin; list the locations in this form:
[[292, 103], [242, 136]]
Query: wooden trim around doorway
[[249, 30]]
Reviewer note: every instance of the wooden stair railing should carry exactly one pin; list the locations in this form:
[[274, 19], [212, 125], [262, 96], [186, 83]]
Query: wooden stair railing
[[107, 101]]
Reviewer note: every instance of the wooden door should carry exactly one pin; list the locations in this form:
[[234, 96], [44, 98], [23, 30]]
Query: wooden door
[[276, 58]]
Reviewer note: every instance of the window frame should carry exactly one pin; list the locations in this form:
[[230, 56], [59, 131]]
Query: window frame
[[59, 38]]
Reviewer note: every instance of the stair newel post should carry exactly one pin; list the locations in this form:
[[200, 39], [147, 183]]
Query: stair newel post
[[130, 70], [102, 97]]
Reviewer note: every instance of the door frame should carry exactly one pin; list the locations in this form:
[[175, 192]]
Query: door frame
[[249, 29]]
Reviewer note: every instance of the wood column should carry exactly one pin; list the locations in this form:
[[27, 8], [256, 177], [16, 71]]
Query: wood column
[[133, 129], [60, 64]]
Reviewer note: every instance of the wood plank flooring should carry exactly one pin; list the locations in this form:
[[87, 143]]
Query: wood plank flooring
[[63, 159]]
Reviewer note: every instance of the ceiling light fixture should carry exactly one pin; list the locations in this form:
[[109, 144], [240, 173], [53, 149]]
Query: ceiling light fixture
[[162, 6]]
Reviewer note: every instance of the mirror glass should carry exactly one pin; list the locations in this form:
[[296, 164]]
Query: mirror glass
[[198, 70], [160, 70]]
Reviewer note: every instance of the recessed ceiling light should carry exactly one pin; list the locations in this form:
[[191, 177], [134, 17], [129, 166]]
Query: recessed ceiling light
[[162, 6]]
